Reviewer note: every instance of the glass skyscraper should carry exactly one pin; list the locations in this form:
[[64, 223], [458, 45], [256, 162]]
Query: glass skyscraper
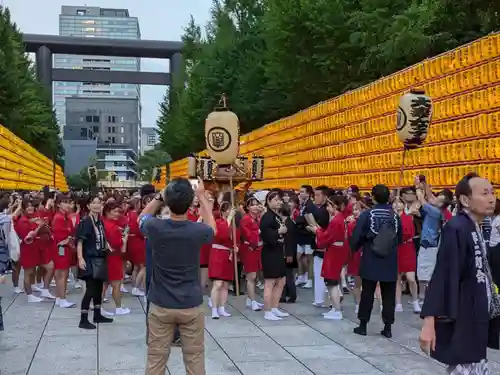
[[95, 22]]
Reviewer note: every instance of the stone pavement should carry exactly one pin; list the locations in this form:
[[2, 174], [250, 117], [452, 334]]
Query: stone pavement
[[41, 339]]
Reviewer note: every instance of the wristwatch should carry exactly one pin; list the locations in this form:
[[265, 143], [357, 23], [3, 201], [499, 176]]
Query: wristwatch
[[159, 197]]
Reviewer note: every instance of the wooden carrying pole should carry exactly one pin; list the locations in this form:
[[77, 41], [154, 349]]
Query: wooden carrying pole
[[235, 243]]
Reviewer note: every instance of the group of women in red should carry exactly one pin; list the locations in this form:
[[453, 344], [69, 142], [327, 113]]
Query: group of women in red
[[48, 231]]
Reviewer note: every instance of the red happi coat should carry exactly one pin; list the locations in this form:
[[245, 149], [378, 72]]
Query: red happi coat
[[407, 256], [114, 236], [355, 258], [221, 262], [334, 239], [62, 228], [251, 246], [136, 243]]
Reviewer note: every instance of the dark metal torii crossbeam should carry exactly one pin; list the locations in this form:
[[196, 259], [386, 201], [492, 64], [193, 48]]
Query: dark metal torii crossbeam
[[46, 45]]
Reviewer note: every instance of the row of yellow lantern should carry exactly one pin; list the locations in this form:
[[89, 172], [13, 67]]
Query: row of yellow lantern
[[478, 100], [11, 142], [437, 176], [469, 103], [21, 164], [462, 152], [481, 50], [461, 129]]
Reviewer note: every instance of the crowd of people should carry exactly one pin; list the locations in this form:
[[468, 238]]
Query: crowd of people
[[441, 248]]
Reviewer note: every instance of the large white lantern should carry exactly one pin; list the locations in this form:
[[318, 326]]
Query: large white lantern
[[222, 135], [414, 117]]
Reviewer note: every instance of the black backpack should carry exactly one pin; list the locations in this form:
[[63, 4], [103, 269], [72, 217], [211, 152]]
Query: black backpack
[[383, 242]]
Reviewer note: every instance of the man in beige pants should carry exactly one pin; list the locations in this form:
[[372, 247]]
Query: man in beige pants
[[175, 294]]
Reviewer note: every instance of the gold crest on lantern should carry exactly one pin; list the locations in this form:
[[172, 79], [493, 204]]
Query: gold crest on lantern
[[414, 117], [222, 133]]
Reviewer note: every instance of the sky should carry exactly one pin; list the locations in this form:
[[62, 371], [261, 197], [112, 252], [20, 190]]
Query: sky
[[158, 20]]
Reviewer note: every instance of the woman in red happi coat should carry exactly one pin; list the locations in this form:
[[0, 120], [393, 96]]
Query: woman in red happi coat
[[222, 258], [28, 227], [63, 232], [355, 257], [205, 248], [45, 211], [117, 241], [251, 249], [334, 239], [136, 247], [407, 258]]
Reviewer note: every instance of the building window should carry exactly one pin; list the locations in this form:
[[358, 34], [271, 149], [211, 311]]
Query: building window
[[122, 119], [111, 140], [83, 132], [96, 129], [88, 118], [122, 130], [122, 140], [111, 129], [81, 12], [112, 119], [95, 119], [151, 140]]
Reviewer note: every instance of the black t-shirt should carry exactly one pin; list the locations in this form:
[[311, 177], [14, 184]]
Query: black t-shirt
[[175, 246]]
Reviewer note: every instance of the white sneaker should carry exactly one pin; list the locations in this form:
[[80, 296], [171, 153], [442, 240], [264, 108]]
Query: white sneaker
[[215, 313], [356, 309], [268, 315], [399, 307], [255, 306], [65, 304], [123, 289], [78, 285], [105, 300], [248, 302], [300, 280], [137, 292], [222, 312], [122, 311], [416, 307], [319, 304], [34, 299], [45, 293], [106, 313], [279, 314], [36, 288], [308, 284], [209, 302], [260, 285], [53, 283], [333, 315], [18, 290]]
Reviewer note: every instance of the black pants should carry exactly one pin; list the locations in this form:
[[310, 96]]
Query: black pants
[[290, 290], [388, 291], [93, 292]]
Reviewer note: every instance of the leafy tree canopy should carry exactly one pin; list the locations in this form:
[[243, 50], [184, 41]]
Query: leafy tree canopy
[[276, 57], [152, 158], [25, 107]]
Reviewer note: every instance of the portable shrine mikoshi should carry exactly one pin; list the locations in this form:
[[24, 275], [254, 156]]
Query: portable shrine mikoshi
[[413, 121], [224, 168]]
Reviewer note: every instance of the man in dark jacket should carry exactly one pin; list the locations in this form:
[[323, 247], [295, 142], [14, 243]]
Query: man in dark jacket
[[374, 227]]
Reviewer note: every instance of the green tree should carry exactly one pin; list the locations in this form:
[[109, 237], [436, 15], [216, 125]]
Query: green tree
[[25, 107], [151, 159], [273, 58]]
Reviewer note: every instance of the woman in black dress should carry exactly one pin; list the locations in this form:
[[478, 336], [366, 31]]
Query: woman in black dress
[[273, 231], [92, 265]]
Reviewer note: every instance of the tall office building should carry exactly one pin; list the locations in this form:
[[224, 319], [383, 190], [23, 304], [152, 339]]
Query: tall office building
[[96, 22]]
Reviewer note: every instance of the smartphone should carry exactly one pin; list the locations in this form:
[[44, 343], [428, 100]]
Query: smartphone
[[194, 184], [60, 250]]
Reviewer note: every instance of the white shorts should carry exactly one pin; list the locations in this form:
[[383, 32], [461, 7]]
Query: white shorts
[[304, 249], [426, 262]]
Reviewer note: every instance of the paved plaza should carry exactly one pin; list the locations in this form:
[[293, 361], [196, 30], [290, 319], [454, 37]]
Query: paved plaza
[[40, 339]]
